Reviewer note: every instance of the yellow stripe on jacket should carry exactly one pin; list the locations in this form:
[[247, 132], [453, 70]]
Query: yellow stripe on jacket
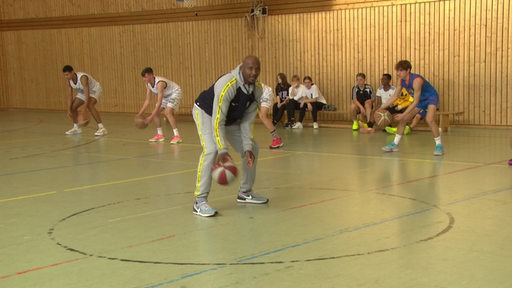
[[219, 110]]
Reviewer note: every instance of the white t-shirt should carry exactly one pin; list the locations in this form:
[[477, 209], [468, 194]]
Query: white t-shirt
[[296, 93], [172, 88], [94, 86], [314, 92], [385, 95], [267, 97]]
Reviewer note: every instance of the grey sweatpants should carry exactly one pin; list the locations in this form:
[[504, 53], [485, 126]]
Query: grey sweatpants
[[209, 154]]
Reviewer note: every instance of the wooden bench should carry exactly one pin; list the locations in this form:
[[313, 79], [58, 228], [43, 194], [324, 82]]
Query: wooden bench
[[323, 115], [444, 119]]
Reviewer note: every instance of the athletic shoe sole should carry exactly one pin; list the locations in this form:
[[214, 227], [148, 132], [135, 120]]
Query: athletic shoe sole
[[276, 147], [251, 200], [202, 214]]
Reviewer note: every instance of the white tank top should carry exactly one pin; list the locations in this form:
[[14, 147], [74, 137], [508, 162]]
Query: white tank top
[[93, 84], [168, 91]]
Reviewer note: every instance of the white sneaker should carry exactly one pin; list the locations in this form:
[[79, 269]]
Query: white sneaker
[[315, 125], [74, 131], [101, 132], [297, 125]]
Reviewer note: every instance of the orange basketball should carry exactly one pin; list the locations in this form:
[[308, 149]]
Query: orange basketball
[[140, 122], [83, 118], [382, 119]]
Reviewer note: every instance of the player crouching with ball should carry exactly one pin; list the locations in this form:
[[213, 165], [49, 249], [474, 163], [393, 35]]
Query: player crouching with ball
[[225, 112]]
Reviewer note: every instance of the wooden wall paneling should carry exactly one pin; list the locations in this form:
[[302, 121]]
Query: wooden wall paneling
[[454, 45], [472, 62], [447, 38], [4, 89], [487, 78], [19, 9], [492, 100], [481, 77], [464, 64], [497, 60], [463, 47], [506, 77]]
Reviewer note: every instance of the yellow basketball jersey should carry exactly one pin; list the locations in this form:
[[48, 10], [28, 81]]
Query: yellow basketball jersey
[[405, 99]]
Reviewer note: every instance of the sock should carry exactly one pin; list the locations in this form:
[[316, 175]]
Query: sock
[[274, 134], [100, 126], [159, 131], [438, 140], [75, 125], [176, 133], [397, 139]]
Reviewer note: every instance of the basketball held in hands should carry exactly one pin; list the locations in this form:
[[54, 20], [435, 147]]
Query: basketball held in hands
[[140, 122], [225, 173]]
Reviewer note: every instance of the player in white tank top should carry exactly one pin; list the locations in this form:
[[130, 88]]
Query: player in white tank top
[[88, 93], [168, 99]]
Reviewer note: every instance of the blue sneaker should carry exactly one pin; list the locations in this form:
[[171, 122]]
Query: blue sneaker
[[249, 197], [202, 208], [439, 150], [391, 147]]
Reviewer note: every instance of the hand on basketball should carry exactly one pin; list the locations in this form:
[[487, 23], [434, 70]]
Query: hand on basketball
[[399, 116], [250, 158], [148, 119], [223, 158]]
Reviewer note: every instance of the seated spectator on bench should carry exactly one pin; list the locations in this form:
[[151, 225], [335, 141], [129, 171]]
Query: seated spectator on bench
[[295, 93], [312, 100], [385, 91], [282, 99], [362, 101]]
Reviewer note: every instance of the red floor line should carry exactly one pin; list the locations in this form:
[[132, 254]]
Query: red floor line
[[401, 183], [41, 268], [152, 241], [436, 175], [310, 204], [76, 259]]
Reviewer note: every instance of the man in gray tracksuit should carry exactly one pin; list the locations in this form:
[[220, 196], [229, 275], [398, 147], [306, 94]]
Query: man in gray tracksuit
[[225, 112]]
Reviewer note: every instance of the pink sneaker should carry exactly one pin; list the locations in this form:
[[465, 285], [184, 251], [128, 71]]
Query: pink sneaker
[[176, 140], [157, 138], [276, 143]]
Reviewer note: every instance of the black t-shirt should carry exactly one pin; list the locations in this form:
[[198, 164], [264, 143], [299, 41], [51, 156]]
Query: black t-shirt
[[282, 91], [362, 94]]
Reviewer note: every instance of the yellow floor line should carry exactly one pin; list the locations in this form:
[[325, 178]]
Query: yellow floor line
[[128, 180], [28, 196]]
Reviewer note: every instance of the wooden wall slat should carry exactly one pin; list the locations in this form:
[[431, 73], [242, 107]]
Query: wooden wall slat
[[463, 47]]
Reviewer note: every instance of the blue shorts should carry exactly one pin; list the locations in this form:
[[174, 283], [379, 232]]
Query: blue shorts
[[422, 113], [430, 100]]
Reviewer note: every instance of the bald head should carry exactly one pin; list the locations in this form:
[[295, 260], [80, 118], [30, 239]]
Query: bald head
[[250, 69]]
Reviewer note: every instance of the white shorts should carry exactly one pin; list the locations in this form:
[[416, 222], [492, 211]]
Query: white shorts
[[95, 94], [172, 101]]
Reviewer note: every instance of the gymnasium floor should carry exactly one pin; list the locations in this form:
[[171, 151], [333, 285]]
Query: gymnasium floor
[[83, 211]]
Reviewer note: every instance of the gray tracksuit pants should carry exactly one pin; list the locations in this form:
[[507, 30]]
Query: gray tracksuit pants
[[209, 154]]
